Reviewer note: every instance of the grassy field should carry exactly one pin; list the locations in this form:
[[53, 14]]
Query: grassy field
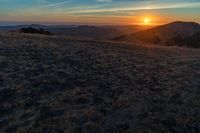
[[57, 84]]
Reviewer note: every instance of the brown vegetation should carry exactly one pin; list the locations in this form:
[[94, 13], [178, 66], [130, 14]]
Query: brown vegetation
[[55, 84]]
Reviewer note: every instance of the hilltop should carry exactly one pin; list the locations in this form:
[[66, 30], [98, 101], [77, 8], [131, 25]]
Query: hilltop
[[173, 34], [58, 84]]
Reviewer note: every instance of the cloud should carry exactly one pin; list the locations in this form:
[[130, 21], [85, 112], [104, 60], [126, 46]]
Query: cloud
[[134, 8], [103, 0], [52, 5]]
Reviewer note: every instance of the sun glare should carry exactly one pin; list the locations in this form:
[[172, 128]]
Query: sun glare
[[146, 21]]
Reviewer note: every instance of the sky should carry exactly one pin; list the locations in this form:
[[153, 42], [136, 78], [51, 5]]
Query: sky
[[125, 12]]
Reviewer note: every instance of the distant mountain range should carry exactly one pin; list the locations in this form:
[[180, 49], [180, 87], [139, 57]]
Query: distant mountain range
[[172, 34], [82, 31]]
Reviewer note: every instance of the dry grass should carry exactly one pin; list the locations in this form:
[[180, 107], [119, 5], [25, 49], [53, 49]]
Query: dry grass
[[57, 84]]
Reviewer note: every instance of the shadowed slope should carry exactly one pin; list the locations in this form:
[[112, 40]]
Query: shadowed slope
[[54, 84]]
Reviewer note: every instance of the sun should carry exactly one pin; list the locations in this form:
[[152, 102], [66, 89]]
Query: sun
[[146, 21]]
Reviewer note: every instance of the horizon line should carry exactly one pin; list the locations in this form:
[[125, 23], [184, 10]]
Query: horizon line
[[20, 23]]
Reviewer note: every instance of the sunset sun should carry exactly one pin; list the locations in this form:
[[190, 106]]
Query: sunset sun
[[146, 21]]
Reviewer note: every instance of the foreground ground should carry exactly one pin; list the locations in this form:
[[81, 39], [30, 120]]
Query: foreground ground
[[52, 84]]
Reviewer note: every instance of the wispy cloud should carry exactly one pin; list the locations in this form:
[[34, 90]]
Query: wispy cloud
[[58, 4], [48, 4], [93, 9], [104, 0], [133, 8]]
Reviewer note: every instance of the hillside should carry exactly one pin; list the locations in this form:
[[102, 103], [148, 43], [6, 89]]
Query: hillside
[[82, 31], [174, 34], [58, 84]]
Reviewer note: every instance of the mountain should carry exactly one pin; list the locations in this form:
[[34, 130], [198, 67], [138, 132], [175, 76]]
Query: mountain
[[92, 32], [17, 27], [175, 33], [97, 32], [82, 31]]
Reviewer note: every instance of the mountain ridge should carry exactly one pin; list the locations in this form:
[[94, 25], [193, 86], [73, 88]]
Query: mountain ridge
[[83, 31], [173, 33]]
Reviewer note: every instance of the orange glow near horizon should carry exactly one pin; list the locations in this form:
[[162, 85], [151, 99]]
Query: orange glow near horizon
[[146, 21], [142, 19], [104, 12], [150, 20]]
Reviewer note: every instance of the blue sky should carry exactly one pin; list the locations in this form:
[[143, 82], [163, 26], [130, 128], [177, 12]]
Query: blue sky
[[99, 11]]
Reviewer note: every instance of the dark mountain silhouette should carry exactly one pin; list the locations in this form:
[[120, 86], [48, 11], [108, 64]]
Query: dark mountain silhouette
[[93, 32], [82, 31], [96, 32], [34, 31], [17, 27], [175, 33]]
